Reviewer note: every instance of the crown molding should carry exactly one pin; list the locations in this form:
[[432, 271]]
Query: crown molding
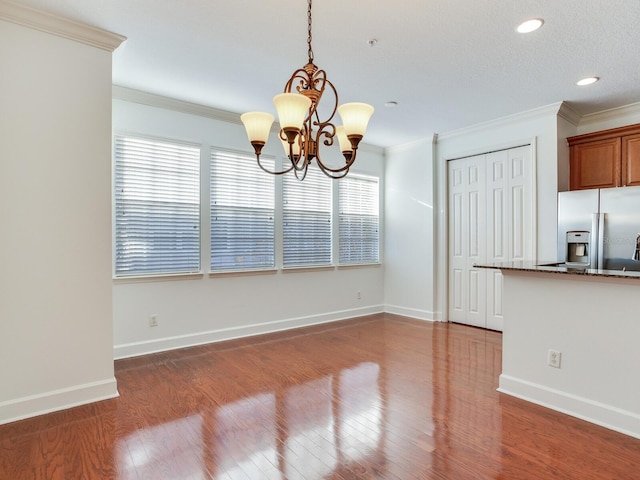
[[625, 111], [59, 26], [423, 143], [154, 100], [539, 112], [569, 114]]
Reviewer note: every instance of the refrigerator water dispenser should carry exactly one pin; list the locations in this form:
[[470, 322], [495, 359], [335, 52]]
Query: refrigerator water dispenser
[[578, 248]]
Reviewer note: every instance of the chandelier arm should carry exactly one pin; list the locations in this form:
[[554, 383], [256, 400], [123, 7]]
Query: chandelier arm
[[331, 173], [311, 83], [335, 96], [265, 169], [300, 74], [349, 161], [298, 164], [301, 161], [301, 176]]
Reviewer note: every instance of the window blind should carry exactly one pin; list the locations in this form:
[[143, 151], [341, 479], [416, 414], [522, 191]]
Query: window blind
[[242, 212], [157, 207], [307, 219], [358, 204]]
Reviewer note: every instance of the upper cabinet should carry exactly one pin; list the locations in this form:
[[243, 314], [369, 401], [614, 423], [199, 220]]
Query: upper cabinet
[[609, 158], [631, 159]]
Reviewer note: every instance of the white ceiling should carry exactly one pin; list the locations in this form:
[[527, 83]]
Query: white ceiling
[[448, 63]]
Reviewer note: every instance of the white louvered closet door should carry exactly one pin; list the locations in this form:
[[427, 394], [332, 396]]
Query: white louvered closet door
[[499, 209]]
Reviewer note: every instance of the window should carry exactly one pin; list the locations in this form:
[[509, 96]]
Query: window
[[306, 219], [242, 213], [157, 207], [358, 220], [157, 213]]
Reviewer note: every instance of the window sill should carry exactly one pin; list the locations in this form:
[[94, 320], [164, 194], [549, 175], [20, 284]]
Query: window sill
[[359, 265], [308, 268], [167, 277], [238, 273]]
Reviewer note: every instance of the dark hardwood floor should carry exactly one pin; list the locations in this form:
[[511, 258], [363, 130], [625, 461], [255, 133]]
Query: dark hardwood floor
[[380, 397]]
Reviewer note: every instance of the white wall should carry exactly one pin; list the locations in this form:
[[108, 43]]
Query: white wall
[[566, 129], [202, 308], [55, 209], [409, 230]]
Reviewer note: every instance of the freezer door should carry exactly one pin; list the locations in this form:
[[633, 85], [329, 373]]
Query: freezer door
[[577, 210], [620, 208]]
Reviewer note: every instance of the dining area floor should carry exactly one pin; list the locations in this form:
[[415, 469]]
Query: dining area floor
[[375, 397]]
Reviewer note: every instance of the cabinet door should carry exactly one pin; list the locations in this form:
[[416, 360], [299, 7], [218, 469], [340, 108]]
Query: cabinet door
[[595, 164], [631, 160]]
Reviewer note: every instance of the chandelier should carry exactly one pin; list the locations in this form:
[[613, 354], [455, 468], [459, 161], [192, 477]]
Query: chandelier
[[302, 132]]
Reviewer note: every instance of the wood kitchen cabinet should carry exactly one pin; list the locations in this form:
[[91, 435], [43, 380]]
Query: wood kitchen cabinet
[[631, 159], [609, 158]]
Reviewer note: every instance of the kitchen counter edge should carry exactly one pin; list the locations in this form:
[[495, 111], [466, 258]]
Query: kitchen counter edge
[[549, 267]]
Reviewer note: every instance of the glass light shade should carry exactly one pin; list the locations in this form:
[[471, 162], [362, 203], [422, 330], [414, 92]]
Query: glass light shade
[[258, 125], [292, 108], [355, 117], [296, 146], [343, 141]]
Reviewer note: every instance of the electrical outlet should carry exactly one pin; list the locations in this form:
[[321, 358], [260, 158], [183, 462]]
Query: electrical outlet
[[553, 358], [359, 295], [153, 320]]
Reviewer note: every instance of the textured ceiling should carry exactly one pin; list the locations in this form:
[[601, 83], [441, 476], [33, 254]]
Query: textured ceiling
[[448, 64]]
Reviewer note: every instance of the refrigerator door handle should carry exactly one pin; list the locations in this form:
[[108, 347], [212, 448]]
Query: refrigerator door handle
[[600, 255], [595, 244]]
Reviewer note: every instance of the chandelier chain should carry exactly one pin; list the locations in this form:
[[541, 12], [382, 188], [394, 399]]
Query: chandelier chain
[[309, 31]]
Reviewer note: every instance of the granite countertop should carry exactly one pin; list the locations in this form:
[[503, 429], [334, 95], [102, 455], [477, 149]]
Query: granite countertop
[[554, 267]]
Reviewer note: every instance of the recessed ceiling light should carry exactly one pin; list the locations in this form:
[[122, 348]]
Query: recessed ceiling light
[[530, 25], [391, 104], [587, 81]]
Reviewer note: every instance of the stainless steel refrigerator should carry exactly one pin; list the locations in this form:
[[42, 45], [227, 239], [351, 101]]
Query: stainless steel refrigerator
[[600, 228]]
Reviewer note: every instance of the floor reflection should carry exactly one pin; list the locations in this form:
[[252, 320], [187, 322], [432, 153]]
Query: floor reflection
[[360, 411], [245, 439], [144, 452], [301, 432], [309, 426]]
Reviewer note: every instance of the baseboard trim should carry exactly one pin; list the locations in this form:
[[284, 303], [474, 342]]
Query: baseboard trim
[[56, 400], [604, 415], [191, 340], [411, 312]]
